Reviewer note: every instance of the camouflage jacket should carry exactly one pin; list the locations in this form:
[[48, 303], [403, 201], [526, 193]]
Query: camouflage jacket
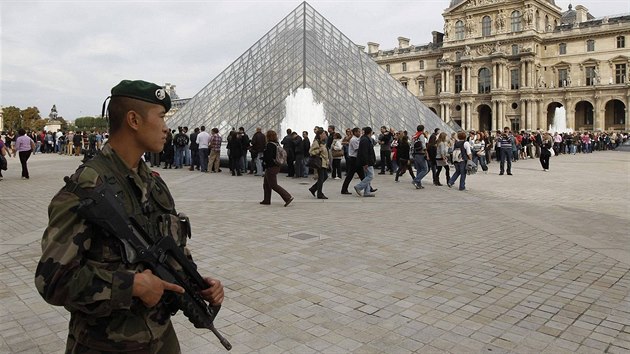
[[81, 268]]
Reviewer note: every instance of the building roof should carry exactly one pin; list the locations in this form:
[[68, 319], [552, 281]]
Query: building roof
[[457, 2], [569, 16]]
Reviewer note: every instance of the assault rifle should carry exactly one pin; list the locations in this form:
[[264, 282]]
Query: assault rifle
[[101, 208]]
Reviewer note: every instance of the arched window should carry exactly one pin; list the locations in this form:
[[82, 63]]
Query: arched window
[[459, 30], [516, 21], [404, 66], [486, 26], [485, 78]]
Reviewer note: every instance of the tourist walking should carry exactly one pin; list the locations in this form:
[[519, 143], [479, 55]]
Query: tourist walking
[[270, 180], [24, 147], [420, 156], [402, 155], [366, 158], [545, 151], [337, 153], [318, 149], [441, 157], [461, 148], [504, 142]]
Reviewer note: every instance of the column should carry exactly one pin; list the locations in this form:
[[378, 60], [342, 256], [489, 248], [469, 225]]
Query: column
[[523, 113], [542, 115], [468, 117], [447, 116], [468, 78], [530, 104], [443, 80], [501, 75], [448, 81], [627, 121]]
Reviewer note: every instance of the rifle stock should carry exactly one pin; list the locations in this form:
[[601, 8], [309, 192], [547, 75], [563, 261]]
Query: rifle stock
[[101, 208]]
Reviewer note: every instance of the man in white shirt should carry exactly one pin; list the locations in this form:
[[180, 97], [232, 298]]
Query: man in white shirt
[[203, 139]]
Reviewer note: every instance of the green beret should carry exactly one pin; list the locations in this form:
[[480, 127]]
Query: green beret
[[143, 91]]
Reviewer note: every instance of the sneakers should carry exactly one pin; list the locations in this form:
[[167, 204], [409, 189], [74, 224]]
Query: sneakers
[[417, 185], [288, 202], [449, 184], [358, 191]]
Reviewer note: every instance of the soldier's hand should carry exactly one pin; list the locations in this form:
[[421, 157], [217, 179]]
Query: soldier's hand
[[150, 288], [214, 293]]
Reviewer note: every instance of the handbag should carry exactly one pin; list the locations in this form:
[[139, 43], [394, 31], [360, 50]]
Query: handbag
[[314, 162], [337, 153]]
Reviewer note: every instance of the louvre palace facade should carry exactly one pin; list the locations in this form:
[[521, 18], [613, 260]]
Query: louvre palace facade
[[511, 63]]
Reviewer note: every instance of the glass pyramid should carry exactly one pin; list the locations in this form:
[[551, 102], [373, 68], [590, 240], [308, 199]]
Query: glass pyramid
[[304, 50]]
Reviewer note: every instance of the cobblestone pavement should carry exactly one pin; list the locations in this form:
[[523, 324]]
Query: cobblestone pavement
[[534, 262]]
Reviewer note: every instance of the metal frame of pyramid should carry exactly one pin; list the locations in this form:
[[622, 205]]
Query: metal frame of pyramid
[[305, 50]]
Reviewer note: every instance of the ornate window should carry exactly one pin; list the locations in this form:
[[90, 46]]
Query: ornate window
[[590, 45], [485, 78], [421, 87], [547, 23], [421, 64], [404, 83], [589, 71], [516, 21], [486, 26], [562, 48], [621, 42], [459, 30], [514, 49], [404, 66], [620, 73], [515, 79], [563, 77], [438, 86], [387, 68], [458, 83]]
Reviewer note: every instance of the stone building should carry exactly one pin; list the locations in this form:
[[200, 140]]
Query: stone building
[[512, 63]]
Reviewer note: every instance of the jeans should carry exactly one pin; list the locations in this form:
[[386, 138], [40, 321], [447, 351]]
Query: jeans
[[179, 156], [386, 160], [322, 176], [297, 165], [506, 154], [203, 159], [187, 155], [572, 149], [258, 162], [242, 165], [364, 185], [480, 160], [420, 163], [460, 171]]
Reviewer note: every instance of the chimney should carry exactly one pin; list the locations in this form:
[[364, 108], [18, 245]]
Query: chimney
[[581, 14], [372, 47], [438, 37], [403, 42]]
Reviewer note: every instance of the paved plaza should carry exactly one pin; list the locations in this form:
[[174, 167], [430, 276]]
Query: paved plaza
[[534, 262]]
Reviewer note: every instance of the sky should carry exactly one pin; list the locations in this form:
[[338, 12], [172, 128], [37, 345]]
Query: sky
[[71, 53]]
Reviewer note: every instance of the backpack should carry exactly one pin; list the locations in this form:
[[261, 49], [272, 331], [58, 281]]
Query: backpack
[[181, 140], [281, 155], [457, 153]]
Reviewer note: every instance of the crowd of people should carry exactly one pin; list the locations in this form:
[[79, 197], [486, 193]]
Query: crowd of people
[[400, 153]]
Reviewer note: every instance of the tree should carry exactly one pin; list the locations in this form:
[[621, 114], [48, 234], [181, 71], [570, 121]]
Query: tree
[[90, 123], [12, 118], [31, 119]]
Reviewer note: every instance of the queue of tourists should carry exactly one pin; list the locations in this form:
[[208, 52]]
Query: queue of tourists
[[417, 153]]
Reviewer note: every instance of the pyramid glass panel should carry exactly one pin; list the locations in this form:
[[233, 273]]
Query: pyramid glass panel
[[304, 50]]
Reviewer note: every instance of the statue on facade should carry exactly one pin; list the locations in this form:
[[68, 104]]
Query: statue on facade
[[470, 26], [500, 21], [541, 81], [596, 76], [498, 48], [466, 52], [529, 16], [447, 28]]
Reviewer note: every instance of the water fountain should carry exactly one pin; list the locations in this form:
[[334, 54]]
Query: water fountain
[[303, 113], [559, 124]]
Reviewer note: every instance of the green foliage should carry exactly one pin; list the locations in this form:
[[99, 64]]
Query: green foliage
[[90, 123], [15, 118]]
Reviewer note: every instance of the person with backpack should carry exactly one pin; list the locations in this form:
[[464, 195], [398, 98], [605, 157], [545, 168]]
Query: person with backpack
[[461, 154], [181, 143], [272, 159], [420, 156]]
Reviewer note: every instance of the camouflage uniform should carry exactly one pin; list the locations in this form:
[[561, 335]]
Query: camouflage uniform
[[81, 268]]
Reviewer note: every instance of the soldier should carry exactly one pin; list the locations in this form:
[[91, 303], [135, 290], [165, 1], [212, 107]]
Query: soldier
[[115, 306]]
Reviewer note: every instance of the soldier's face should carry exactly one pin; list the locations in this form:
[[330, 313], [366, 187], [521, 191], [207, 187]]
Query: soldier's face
[[152, 129]]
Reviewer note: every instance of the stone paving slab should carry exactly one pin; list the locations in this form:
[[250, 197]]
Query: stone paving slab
[[535, 262]]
